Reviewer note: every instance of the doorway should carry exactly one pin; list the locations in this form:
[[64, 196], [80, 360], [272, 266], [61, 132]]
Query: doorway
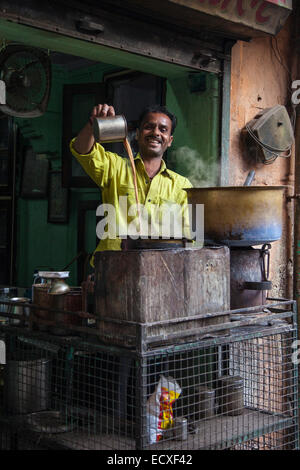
[[194, 97]]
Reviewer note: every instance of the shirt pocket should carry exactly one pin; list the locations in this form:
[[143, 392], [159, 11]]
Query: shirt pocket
[[129, 192], [125, 190]]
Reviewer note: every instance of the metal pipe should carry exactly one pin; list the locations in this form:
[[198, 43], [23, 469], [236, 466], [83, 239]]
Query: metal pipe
[[225, 120]]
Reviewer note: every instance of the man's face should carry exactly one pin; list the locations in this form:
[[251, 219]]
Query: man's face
[[154, 135]]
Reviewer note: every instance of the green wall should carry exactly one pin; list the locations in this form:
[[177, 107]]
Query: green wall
[[195, 151]]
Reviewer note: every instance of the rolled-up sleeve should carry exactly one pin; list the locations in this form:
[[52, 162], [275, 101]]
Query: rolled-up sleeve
[[98, 164]]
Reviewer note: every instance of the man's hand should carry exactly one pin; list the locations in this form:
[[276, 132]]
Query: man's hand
[[102, 110], [84, 142]]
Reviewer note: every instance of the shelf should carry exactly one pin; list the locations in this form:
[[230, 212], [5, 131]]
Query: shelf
[[225, 431], [217, 433]]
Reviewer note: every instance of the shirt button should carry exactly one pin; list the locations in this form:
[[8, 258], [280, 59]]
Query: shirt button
[[146, 181], [149, 200]]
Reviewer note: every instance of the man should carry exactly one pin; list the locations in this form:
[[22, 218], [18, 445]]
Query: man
[[157, 186]]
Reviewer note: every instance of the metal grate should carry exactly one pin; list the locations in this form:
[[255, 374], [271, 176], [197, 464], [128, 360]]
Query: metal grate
[[237, 391]]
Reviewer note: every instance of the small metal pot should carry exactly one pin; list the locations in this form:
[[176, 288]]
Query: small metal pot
[[230, 395], [19, 310], [110, 129]]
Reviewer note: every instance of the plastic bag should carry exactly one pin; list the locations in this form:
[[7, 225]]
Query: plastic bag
[[160, 408]]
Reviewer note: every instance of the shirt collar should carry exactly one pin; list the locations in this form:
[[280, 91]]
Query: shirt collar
[[163, 167]]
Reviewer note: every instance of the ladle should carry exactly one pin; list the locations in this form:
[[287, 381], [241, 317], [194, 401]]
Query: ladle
[[249, 178]]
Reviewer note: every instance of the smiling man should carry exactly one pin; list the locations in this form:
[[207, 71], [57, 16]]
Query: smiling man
[[157, 185]]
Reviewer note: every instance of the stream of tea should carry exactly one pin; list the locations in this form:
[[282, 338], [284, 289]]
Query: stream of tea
[[130, 154]]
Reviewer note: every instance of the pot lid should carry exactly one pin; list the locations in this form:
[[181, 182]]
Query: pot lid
[[54, 274]]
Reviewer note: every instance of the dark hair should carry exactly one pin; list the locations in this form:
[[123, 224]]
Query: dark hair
[[156, 108]]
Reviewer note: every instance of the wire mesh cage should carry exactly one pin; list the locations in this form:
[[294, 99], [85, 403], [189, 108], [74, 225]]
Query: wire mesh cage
[[237, 391]]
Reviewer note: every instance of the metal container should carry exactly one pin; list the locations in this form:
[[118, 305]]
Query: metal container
[[72, 302], [230, 395], [27, 385], [110, 129], [180, 429], [6, 293], [136, 286], [239, 216], [204, 403], [19, 310]]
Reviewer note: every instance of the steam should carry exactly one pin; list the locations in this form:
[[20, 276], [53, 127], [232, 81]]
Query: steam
[[189, 163]]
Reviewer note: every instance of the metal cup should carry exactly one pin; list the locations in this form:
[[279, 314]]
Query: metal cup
[[110, 129], [180, 429]]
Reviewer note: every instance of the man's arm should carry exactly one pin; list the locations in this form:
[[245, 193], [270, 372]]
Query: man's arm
[[84, 142]]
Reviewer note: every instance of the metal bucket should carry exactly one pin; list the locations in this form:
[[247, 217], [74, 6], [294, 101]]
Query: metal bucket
[[239, 216], [110, 129], [27, 385]]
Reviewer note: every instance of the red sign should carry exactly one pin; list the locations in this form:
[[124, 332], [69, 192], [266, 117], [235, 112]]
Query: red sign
[[242, 6], [269, 14]]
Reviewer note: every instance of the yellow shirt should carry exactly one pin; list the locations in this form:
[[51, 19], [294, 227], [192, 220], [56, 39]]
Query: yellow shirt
[[113, 174]]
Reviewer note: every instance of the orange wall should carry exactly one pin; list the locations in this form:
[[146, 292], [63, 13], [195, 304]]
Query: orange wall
[[260, 81]]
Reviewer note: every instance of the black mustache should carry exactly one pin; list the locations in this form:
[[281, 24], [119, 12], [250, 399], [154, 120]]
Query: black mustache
[[153, 137]]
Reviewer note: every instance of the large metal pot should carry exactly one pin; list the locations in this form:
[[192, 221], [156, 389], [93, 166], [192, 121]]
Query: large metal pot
[[239, 216]]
